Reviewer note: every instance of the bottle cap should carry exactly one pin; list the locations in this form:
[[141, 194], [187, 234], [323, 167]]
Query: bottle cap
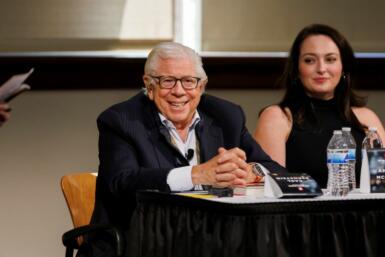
[[337, 132], [372, 128], [346, 129]]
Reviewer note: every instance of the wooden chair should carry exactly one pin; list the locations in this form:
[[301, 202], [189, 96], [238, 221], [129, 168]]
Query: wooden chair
[[79, 193]]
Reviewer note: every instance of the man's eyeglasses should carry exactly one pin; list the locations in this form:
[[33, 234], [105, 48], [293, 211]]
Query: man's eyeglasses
[[168, 82]]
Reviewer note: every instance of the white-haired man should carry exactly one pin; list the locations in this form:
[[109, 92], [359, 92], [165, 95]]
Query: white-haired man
[[171, 137]]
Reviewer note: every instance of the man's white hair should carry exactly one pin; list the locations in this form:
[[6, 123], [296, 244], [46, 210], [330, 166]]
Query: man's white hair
[[173, 50]]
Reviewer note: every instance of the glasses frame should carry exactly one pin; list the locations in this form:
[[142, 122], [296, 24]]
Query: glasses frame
[[159, 78]]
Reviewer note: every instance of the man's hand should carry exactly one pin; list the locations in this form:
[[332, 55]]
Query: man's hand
[[4, 113], [227, 169]]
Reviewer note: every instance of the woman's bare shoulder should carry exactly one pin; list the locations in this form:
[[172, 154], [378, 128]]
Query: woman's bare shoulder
[[274, 113], [366, 116], [275, 120], [369, 118], [272, 131]]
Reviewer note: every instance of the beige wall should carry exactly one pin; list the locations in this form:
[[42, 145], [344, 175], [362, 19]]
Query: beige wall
[[47, 25], [265, 25], [54, 133], [228, 25]]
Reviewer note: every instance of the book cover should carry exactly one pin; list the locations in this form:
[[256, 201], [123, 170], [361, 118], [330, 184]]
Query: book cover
[[376, 162], [291, 185]]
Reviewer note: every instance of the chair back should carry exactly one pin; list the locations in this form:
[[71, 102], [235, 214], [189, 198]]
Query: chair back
[[79, 192]]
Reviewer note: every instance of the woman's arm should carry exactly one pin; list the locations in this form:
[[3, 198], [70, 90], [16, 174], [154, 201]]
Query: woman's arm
[[272, 131], [369, 118]]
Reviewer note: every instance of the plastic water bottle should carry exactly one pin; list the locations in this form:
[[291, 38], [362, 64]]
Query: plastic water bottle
[[372, 139], [351, 145], [338, 168]]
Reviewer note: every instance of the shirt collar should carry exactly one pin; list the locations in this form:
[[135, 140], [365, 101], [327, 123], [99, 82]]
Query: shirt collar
[[169, 125]]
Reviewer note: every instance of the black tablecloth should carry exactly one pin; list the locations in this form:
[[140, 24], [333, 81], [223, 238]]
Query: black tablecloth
[[173, 225]]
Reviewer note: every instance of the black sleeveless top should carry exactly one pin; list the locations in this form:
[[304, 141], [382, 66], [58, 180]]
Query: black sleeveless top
[[306, 145]]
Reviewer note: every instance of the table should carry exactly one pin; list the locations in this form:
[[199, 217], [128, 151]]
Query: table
[[174, 225]]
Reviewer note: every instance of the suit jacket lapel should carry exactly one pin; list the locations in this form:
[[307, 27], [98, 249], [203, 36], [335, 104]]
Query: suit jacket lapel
[[210, 137], [161, 139]]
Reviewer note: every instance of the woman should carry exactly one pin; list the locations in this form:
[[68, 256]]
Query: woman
[[318, 99]]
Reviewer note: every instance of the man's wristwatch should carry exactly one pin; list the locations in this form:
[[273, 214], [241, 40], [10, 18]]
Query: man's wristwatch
[[256, 169]]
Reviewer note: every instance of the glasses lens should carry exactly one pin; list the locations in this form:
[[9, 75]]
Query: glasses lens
[[170, 82], [167, 82], [189, 82]]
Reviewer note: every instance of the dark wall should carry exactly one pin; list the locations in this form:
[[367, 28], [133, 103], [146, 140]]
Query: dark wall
[[90, 72]]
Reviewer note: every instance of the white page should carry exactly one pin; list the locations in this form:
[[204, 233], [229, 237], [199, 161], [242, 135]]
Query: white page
[[14, 85]]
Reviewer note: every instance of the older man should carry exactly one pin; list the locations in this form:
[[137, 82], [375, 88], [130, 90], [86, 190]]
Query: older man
[[171, 137]]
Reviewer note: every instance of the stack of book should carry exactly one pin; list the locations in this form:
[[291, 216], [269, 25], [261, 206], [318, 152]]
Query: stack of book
[[253, 189]]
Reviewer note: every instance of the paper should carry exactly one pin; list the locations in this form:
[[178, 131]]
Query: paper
[[14, 86], [364, 176], [248, 199], [197, 194]]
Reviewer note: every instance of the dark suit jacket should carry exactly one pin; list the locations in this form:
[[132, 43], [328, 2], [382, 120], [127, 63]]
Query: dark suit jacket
[[135, 152]]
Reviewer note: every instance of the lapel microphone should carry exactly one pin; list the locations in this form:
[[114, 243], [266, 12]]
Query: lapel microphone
[[190, 154]]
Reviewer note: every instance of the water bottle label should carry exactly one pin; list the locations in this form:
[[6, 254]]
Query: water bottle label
[[337, 156], [351, 154]]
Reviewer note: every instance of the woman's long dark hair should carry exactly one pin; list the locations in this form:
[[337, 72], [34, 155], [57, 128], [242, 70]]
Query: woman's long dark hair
[[295, 97]]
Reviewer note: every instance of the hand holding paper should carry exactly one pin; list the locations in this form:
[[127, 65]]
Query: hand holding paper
[[4, 113], [14, 86]]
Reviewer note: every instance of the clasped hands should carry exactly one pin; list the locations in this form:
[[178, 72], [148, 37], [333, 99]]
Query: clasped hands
[[227, 169]]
